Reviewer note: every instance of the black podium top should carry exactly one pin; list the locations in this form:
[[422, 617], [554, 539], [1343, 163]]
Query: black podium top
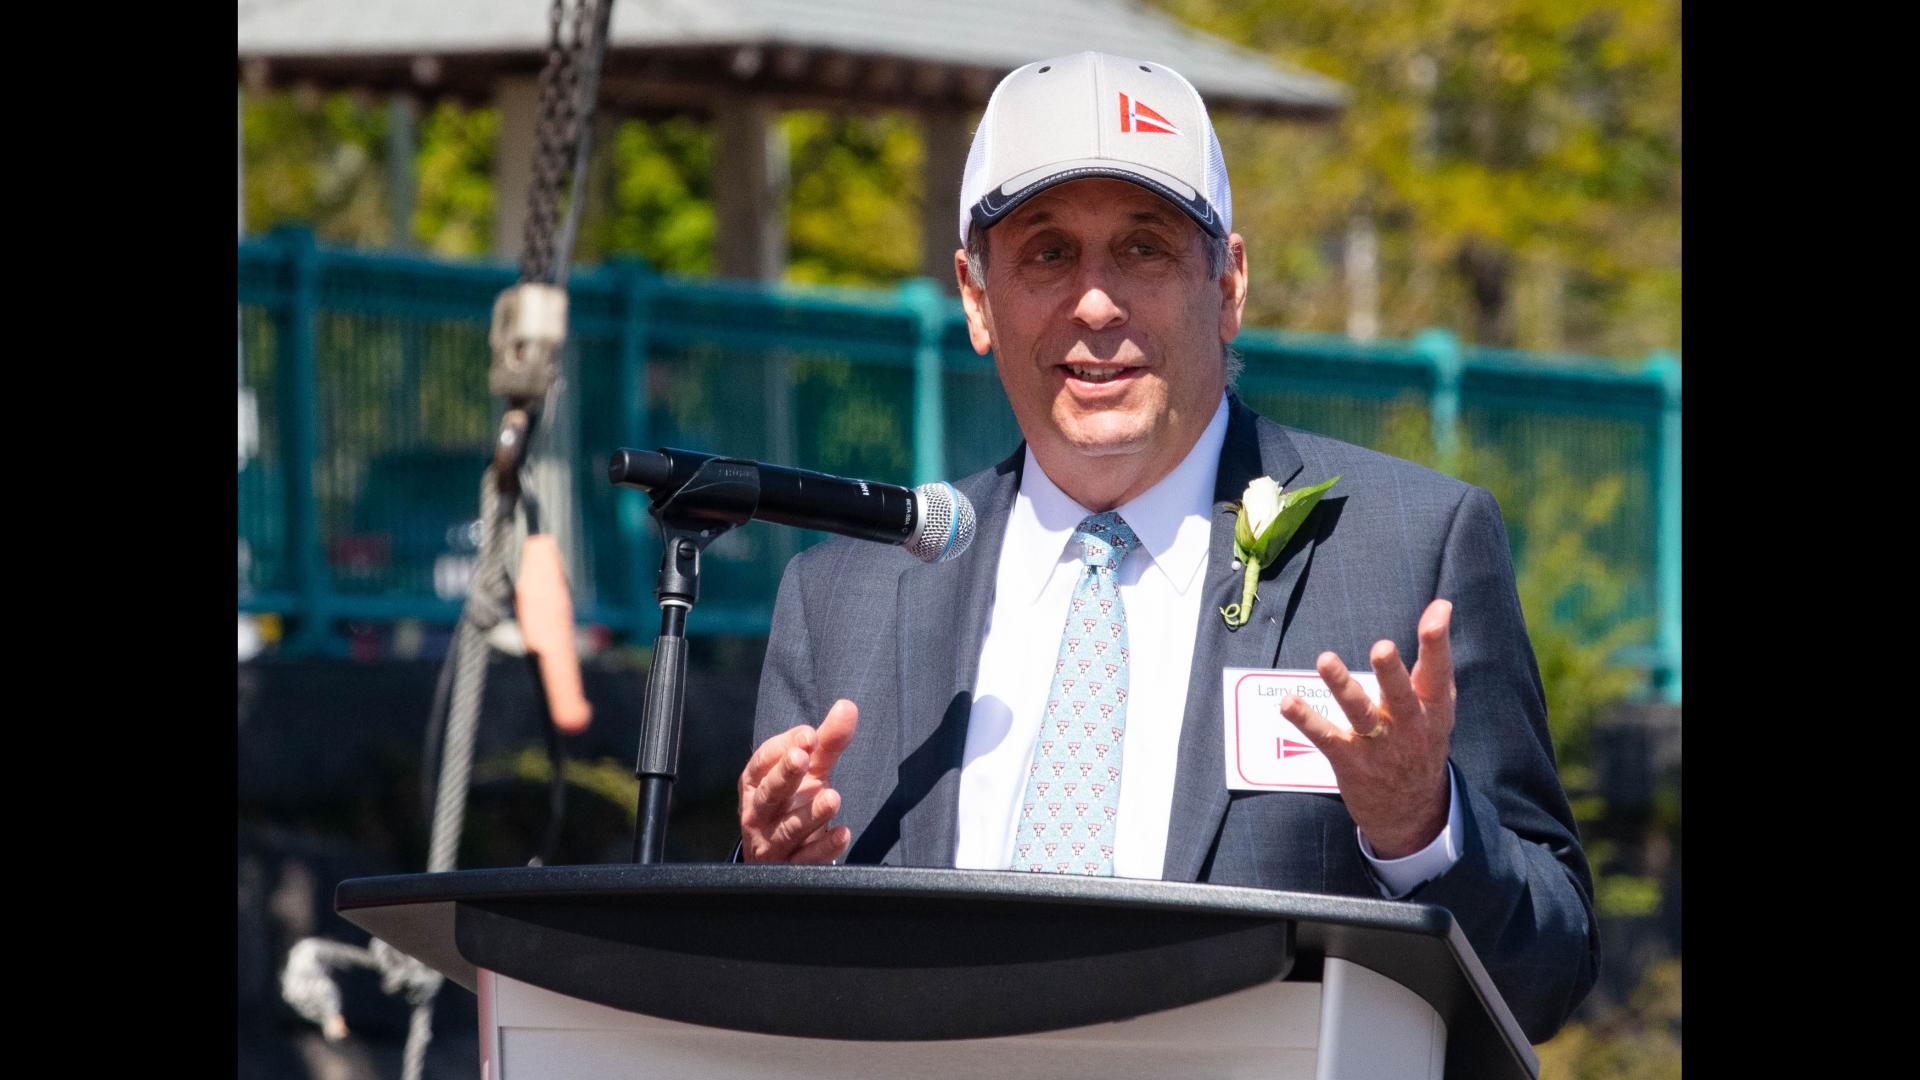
[[918, 953]]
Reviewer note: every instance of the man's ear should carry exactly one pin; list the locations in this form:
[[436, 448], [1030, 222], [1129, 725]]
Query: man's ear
[[1233, 288], [973, 299]]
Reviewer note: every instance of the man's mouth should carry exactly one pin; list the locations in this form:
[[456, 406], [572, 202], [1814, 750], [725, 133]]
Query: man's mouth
[[1095, 374]]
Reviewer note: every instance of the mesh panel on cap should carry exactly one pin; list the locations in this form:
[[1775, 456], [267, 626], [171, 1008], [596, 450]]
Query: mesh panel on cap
[[1219, 193], [970, 178], [1216, 190]]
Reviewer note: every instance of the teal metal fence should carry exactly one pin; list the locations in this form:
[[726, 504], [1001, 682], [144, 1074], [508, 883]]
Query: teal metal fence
[[368, 372]]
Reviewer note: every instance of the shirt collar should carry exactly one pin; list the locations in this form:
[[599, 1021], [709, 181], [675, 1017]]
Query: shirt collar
[[1173, 519]]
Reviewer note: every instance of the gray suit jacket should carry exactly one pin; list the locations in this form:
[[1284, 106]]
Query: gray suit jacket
[[902, 640]]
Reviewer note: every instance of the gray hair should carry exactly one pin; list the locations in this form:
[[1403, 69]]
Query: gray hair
[[1217, 255]]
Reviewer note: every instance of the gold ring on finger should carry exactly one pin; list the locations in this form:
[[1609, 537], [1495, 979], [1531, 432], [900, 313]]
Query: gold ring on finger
[[1378, 729]]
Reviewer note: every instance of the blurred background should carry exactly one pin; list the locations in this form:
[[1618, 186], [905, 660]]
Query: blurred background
[[1463, 230]]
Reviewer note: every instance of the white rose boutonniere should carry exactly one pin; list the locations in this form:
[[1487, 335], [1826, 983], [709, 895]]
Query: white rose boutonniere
[[1267, 518]]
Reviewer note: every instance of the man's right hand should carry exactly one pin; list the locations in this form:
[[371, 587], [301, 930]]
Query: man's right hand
[[785, 801]]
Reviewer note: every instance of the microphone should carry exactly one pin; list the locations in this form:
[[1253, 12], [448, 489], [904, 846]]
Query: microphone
[[933, 521]]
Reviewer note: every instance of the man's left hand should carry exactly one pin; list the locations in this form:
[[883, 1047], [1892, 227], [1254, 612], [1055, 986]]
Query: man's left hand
[[1392, 767]]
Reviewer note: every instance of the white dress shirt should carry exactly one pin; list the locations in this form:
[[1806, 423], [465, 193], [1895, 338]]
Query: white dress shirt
[[1160, 588]]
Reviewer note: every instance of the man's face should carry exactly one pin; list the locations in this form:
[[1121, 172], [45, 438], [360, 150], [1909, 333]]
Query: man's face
[[1106, 330]]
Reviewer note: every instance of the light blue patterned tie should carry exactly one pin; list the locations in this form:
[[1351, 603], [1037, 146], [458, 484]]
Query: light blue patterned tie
[[1073, 784]]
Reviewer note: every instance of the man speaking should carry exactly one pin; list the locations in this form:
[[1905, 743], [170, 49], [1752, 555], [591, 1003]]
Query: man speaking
[[1052, 700]]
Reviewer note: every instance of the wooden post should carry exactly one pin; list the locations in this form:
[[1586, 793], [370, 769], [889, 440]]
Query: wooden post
[[401, 147], [1363, 277], [945, 136], [518, 100], [749, 191]]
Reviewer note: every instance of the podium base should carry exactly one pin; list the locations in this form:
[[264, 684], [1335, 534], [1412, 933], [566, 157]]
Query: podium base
[[1274, 1031]]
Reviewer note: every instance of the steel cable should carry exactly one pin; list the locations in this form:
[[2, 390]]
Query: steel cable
[[568, 92]]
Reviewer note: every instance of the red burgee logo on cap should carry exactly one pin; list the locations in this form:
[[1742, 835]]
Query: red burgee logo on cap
[[1137, 117]]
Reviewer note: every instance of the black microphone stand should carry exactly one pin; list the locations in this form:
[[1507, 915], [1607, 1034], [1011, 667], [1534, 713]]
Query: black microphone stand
[[721, 495]]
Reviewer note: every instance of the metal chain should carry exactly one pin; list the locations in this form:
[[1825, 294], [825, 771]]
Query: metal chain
[[306, 983], [535, 256], [555, 134]]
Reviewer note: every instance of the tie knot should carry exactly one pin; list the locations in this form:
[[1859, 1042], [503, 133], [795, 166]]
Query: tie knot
[[1105, 539]]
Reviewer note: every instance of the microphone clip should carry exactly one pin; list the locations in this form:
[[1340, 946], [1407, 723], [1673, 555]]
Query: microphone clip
[[720, 495]]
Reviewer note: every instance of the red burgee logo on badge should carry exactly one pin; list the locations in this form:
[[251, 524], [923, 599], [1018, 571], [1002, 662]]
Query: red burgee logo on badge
[[1265, 752]]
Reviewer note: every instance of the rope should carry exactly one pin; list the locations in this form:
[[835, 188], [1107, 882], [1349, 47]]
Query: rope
[[413, 1061], [486, 605], [569, 90], [306, 983]]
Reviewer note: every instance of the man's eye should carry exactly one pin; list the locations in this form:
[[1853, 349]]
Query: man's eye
[[1145, 249], [1051, 255]]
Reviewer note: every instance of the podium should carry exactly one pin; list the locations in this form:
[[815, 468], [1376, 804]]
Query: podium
[[736, 971]]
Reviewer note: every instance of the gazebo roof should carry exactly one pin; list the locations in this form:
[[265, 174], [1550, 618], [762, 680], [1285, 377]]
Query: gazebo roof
[[677, 54]]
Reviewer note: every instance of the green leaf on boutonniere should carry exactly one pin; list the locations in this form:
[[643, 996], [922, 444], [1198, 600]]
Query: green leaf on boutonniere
[[1265, 519]]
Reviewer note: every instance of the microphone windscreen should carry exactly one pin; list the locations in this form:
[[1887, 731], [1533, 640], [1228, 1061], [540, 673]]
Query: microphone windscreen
[[943, 523]]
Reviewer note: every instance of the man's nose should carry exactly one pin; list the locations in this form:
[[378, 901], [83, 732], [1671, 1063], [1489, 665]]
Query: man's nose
[[1098, 308]]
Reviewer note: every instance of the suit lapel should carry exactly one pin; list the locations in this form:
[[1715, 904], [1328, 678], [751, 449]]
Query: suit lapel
[[1199, 791], [941, 612]]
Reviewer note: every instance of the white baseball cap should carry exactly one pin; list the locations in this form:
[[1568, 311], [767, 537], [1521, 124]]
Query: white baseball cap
[[1092, 114]]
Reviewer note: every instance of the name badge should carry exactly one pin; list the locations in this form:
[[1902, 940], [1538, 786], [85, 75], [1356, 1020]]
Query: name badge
[[1265, 752]]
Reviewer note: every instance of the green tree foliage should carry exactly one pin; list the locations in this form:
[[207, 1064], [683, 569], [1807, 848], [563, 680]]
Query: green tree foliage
[[321, 160], [1574, 598], [854, 183], [315, 160], [853, 217], [1519, 161], [453, 203], [659, 204], [851, 207]]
